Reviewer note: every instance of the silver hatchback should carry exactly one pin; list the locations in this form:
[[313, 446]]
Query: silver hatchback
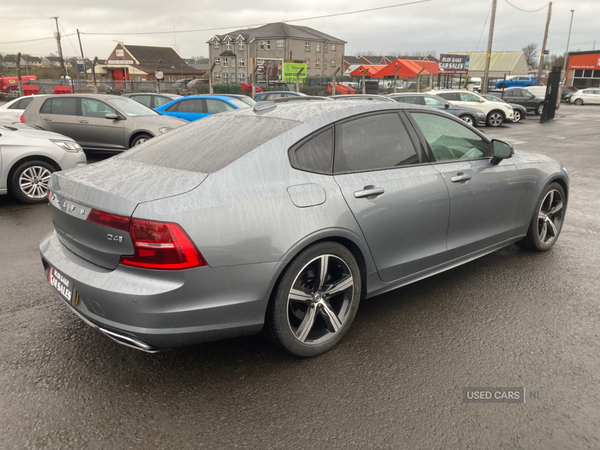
[[99, 122]]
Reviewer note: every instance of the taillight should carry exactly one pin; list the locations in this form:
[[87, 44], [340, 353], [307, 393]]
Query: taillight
[[157, 245], [109, 220], [161, 246], [22, 118]]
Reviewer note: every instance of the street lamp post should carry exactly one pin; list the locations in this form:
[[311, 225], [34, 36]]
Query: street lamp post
[[568, 41]]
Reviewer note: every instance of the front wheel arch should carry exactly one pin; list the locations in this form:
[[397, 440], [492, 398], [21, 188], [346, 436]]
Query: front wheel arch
[[138, 134], [18, 163]]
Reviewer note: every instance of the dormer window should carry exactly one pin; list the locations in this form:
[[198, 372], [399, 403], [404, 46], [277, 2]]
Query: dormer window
[[228, 45], [216, 44]]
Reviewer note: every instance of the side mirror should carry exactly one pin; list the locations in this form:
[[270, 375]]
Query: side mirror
[[446, 105], [501, 150], [111, 116]]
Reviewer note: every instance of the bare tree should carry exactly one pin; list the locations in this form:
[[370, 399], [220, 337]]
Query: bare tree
[[531, 53]]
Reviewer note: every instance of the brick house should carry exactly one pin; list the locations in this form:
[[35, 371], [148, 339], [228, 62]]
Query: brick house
[[236, 54]]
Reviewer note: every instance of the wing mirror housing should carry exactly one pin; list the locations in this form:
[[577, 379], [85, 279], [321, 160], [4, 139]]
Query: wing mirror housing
[[111, 116], [446, 105], [501, 150]]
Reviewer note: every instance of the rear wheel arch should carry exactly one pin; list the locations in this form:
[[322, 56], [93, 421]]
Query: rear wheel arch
[[360, 255]]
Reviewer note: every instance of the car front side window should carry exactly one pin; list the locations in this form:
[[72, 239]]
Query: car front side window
[[450, 140]]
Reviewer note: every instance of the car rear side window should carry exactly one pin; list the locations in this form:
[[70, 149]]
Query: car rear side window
[[143, 99], [373, 142], [314, 154], [159, 101], [210, 144], [452, 96], [193, 105], [66, 106], [217, 106]]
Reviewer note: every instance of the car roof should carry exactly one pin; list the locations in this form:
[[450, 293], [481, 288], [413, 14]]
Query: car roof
[[129, 94], [220, 97], [318, 114]]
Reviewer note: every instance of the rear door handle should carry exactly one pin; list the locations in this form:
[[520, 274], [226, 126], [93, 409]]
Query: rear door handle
[[460, 176], [369, 191], [83, 121], [47, 120]]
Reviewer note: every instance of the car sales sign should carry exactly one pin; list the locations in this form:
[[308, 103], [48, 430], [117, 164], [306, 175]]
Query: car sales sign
[[454, 63]]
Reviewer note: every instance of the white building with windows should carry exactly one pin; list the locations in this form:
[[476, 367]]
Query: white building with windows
[[236, 54]]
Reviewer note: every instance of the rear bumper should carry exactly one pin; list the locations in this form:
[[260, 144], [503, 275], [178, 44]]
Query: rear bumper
[[152, 310]]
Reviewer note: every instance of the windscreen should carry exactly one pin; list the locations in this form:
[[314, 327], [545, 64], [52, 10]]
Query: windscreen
[[131, 107], [210, 144]]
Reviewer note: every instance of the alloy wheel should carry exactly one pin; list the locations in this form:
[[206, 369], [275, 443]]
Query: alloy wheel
[[320, 299], [495, 119], [467, 119], [550, 217], [33, 182], [517, 115]]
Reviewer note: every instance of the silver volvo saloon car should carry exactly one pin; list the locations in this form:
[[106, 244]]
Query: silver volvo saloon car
[[283, 217]]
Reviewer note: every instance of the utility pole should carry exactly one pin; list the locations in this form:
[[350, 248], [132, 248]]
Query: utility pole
[[19, 75], [486, 73], [82, 57], [60, 53], [541, 68], [568, 41]]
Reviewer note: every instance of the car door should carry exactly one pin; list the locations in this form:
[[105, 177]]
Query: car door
[[188, 109], [399, 201], [484, 197], [96, 131], [60, 114], [144, 100]]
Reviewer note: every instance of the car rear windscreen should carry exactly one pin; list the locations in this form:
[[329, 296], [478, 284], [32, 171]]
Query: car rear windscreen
[[210, 144]]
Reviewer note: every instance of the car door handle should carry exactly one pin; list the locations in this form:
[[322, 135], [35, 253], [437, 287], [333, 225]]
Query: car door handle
[[47, 120], [369, 191], [460, 176], [83, 121]]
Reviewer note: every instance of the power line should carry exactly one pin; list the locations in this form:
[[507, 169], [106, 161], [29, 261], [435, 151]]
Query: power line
[[526, 10], [484, 24], [28, 40], [259, 24]]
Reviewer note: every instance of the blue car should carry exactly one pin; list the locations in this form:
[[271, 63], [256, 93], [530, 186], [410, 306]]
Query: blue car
[[514, 81], [196, 107]]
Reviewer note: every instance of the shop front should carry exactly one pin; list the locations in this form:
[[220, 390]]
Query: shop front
[[584, 69]]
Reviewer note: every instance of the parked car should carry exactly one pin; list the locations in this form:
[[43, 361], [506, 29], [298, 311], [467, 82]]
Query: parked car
[[566, 92], [98, 121], [260, 218], [152, 100], [496, 113], [272, 95], [13, 110], [520, 96], [516, 81], [519, 112], [28, 157], [471, 116], [194, 107], [180, 84], [538, 91], [586, 97], [363, 97], [245, 98]]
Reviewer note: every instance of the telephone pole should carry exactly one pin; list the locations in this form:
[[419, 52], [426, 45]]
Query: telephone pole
[[541, 68], [82, 57], [568, 42], [486, 73], [60, 53]]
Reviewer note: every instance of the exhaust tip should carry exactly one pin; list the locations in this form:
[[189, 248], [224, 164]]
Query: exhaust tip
[[129, 341]]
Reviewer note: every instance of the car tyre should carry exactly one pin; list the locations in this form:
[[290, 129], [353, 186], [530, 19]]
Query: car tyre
[[547, 220], [517, 116], [29, 182], [315, 300], [578, 102], [468, 119], [540, 109], [140, 140], [495, 119]]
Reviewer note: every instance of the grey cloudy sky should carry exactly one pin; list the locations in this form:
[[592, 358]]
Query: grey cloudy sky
[[440, 25]]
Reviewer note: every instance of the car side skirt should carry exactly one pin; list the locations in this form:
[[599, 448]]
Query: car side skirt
[[376, 287]]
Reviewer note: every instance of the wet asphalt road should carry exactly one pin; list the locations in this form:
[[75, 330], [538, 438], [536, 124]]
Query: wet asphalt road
[[512, 318]]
